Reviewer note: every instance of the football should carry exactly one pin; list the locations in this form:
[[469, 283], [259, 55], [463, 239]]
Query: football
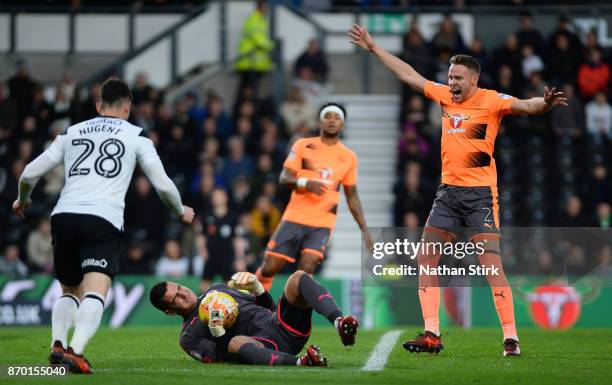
[[218, 304]]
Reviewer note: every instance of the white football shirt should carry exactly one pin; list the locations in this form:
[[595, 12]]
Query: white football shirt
[[99, 157]]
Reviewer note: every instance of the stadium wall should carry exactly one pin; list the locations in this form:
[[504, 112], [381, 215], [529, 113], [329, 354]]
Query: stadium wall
[[199, 39]]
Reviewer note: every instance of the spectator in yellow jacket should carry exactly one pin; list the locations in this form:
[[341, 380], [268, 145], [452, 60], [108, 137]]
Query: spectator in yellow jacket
[[264, 218], [255, 47]]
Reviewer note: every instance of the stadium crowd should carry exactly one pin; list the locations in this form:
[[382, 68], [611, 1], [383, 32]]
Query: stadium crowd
[[225, 161], [553, 169]]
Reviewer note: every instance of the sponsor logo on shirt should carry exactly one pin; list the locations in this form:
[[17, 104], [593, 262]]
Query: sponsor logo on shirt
[[94, 262]]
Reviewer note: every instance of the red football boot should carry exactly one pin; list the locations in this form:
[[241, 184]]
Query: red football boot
[[347, 329], [57, 353], [424, 342], [77, 363], [313, 357]]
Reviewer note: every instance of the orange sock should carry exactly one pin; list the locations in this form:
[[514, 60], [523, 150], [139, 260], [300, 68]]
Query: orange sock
[[265, 281], [502, 296], [430, 305], [429, 293]]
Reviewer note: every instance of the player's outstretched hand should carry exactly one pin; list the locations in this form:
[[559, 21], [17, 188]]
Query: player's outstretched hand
[[19, 208], [187, 217], [246, 281], [554, 97], [360, 36], [316, 186]]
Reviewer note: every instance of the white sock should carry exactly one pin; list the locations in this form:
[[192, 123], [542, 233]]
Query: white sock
[[88, 320], [62, 318], [337, 322]]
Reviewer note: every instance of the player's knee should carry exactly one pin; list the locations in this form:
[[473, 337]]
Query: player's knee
[[238, 341], [488, 248], [271, 266], [434, 234], [309, 263], [267, 270], [292, 289], [74, 290], [235, 344], [298, 274], [293, 283], [492, 246], [96, 282]]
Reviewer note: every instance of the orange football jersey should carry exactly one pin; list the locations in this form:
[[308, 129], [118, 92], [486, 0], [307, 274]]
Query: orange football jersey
[[313, 159], [469, 130]]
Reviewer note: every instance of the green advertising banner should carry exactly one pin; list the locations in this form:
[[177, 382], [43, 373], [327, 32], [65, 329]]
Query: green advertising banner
[[537, 301], [29, 301], [550, 305]]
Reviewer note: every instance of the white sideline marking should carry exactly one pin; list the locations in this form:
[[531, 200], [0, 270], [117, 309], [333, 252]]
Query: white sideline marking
[[380, 354]]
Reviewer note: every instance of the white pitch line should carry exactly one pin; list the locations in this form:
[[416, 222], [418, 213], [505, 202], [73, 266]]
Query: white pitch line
[[380, 354]]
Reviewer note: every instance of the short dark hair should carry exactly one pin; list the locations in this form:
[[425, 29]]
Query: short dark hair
[[340, 106], [113, 91], [466, 60], [156, 296]]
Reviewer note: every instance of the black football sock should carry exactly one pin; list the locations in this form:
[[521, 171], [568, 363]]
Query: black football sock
[[319, 298], [265, 300], [255, 355]]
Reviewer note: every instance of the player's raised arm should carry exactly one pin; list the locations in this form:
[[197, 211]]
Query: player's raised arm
[[361, 37], [539, 105], [45, 162], [154, 170]]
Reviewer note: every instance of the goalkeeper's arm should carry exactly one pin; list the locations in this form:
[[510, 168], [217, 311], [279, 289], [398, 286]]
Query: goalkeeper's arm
[[202, 349], [247, 281], [265, 300]]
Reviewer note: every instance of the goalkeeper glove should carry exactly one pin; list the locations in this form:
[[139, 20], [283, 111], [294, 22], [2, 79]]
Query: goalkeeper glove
[[215, 323], [246, 281]]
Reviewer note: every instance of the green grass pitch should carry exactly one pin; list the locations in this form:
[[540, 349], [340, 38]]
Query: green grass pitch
[[151, 355]]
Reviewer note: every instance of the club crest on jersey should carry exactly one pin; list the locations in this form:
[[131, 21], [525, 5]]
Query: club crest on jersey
[[326, 173], [456, 120]]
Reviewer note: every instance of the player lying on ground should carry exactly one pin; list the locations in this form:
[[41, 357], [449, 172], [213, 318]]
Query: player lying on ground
[[262, 333], [99, 156], [467, 197], [315, 170]]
